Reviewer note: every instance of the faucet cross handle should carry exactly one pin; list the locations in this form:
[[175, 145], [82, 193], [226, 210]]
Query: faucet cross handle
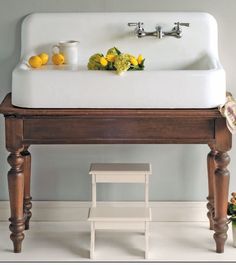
[[178, 24], [178, 29], [139, 30], [133, 24], [182, 24]]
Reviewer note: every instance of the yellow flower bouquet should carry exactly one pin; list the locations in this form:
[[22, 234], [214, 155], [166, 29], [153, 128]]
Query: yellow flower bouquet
[[115, 60]]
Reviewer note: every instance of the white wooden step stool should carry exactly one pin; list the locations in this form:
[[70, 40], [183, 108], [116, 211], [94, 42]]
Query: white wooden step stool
[[119, 218]]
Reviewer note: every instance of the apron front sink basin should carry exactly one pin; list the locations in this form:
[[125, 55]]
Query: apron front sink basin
[[179, 73]]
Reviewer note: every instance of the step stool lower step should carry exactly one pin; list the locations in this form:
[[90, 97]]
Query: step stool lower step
[[123, 214]]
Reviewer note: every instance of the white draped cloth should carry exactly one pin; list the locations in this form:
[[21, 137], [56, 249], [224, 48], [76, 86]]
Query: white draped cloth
[[228, 110]]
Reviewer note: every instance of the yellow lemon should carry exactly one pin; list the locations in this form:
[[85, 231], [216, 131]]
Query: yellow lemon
[[58, 58], [44, 57], [110, 57], [133, 61], [35, 61], [103, 61], [140, 59]]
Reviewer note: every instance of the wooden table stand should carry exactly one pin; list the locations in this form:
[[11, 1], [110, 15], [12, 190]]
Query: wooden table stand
[[25, 127]]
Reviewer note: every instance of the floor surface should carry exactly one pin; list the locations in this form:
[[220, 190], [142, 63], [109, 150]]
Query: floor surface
[[69, 241]]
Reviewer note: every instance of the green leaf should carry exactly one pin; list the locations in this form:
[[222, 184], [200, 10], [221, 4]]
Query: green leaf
[[142, 63], [118, 51], [110, 66], [231, 209]]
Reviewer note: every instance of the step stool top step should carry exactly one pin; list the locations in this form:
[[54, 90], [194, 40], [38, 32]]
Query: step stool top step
[[111, 213], [120, 168]]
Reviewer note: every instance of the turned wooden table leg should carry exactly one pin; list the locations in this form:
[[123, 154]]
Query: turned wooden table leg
[[221, 200], [16, 193], [14, 135], [211, 183], [27, 174], [221, 183]]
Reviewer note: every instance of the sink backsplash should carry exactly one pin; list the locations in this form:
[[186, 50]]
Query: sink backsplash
[[100, 31]]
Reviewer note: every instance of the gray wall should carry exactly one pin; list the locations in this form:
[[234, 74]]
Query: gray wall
[[61, 172]]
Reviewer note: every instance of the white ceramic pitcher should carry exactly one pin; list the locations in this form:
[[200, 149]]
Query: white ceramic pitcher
[[69, 49]]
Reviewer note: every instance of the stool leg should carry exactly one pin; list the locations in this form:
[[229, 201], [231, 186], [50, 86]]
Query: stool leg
[[92, 240], [146, 239]]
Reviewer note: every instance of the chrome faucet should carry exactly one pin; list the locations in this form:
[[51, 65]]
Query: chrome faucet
[[158, 33], [176, 31], [139, 30]]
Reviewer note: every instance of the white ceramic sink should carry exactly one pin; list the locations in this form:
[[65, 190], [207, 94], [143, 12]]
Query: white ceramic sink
[[179, 73]]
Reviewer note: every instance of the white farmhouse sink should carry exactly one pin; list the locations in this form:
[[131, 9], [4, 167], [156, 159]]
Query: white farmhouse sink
[[179, 73]]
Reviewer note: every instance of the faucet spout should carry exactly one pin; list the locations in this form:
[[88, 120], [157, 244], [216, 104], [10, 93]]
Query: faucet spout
[[159, 31]]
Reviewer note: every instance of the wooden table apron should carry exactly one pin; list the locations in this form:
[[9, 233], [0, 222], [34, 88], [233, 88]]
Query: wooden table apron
[[114, 126]]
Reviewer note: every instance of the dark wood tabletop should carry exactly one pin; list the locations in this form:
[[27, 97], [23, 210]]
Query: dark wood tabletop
[[7, 108]]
